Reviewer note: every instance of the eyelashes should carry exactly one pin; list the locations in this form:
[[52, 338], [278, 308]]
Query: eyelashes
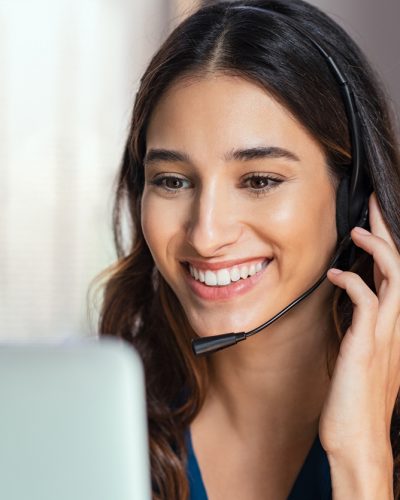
[[256, 183], [259, 184]]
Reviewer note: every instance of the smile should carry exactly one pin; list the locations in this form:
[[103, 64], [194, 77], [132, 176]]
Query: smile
[[226, 276], [218, 284]]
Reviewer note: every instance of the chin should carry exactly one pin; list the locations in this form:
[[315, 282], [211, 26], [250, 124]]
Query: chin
[[219, 326]]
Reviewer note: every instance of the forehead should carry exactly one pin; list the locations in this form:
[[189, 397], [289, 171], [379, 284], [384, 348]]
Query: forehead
[[213, 114]]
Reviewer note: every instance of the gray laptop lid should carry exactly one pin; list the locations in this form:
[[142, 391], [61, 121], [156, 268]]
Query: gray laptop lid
[[73, 422]]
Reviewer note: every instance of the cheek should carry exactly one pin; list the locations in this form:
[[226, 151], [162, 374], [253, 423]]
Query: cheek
[[159, 229], [301, 214], [302, 225], [286, 215], [151, 228]]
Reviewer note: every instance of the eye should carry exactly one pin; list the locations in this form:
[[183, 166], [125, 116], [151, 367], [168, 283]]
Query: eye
[[260, 183], [170, 183]]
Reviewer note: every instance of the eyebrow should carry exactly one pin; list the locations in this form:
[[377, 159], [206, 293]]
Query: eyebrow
[[259, 152]]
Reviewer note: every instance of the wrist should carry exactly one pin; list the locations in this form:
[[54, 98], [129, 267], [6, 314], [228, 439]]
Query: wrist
[[365, 477]]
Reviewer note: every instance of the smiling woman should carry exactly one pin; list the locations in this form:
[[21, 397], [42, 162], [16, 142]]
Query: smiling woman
[[233, 175]]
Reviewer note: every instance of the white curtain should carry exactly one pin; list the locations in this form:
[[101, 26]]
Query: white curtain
[[69, 73]]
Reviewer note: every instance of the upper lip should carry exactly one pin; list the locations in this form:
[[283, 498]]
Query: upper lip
[[214, 266]]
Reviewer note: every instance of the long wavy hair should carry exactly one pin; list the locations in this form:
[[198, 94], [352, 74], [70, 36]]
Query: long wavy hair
[[138, 304]]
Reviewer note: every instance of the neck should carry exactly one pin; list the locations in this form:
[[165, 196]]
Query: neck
[[275, 382]]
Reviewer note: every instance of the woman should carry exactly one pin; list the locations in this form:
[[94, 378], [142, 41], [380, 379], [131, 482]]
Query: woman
[[238, 143]]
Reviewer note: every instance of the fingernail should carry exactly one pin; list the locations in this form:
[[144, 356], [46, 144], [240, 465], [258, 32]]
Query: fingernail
[[361, 230], [333, 270]]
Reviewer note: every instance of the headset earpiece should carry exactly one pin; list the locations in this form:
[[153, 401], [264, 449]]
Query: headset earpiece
[[342, 207]]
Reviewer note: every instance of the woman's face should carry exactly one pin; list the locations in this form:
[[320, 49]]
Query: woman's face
[[238, 209]]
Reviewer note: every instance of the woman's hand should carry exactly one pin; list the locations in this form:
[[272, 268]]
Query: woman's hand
[[354, 426]]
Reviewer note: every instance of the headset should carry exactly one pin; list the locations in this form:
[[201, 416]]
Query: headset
[[351, 198]]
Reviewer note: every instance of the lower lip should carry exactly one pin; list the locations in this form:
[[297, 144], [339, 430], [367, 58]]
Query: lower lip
[[224, 292]]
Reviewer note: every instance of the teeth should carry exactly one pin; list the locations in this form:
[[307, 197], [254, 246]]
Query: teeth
[[244, 272], [235, 274], [210, 278], [224, 277]]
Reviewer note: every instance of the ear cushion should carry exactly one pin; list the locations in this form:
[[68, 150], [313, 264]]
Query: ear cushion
[[342, 207]]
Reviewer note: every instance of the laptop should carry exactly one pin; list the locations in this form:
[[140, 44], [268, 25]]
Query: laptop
[[73, 421]]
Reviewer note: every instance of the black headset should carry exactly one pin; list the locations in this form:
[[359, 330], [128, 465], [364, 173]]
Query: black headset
[[351, 199]]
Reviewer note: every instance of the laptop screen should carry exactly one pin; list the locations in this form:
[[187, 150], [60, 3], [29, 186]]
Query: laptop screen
[[73, 422]]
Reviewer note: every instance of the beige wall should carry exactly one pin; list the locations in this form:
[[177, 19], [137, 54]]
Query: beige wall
[[374, 26]]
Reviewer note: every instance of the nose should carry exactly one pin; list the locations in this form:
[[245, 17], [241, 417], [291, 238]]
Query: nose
[[214, 223]]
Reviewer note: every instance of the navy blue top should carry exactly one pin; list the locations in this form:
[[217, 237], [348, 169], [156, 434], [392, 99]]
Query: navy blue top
[[312, 483]]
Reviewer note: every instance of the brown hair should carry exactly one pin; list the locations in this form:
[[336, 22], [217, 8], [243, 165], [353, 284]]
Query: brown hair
[[139, 306]]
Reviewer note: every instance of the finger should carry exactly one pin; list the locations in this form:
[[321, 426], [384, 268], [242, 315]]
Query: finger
[[388, 262], [377, 222], [365, 310], [386, 277], [387, 282]]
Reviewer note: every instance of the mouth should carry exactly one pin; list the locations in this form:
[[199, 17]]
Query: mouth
[[226, 283], [226, 276]]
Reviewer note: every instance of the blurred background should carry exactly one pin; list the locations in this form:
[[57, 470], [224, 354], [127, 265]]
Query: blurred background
[[69, 70]]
